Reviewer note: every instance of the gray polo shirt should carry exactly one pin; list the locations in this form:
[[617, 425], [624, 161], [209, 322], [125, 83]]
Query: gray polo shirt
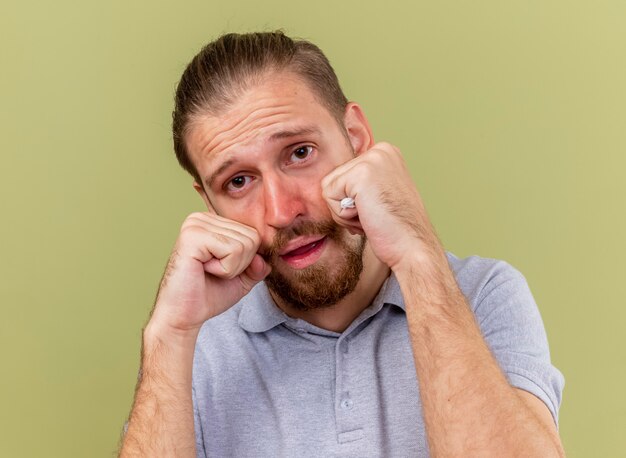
[[267, 385]]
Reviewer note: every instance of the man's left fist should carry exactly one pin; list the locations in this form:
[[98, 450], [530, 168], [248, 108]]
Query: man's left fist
[[388, 207]]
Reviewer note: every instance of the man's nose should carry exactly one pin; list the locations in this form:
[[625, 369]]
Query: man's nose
[[284, 201]]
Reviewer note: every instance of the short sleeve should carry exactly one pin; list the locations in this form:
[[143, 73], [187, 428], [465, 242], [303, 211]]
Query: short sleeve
[[511, 324], [197, 426]]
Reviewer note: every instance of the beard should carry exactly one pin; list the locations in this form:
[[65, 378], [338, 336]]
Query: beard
[[317, 286]]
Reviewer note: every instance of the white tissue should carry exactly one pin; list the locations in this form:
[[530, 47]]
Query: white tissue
[[347, 202]]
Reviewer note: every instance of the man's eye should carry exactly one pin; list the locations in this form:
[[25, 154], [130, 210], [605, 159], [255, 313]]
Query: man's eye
[[301, 153], [238, 182]]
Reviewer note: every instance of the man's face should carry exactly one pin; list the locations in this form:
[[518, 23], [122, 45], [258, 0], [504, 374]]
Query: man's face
[[262, 162]]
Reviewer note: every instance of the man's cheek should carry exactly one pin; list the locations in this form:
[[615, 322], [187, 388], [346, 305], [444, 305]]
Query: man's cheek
[[244, 211]]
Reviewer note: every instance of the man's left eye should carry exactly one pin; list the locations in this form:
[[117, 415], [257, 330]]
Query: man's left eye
[[301, 153]]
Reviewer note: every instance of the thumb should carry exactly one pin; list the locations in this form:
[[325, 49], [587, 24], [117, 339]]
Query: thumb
[[256, 271]]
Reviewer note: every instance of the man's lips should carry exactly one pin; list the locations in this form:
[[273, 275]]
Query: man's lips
[[300, 245], [303, 252]]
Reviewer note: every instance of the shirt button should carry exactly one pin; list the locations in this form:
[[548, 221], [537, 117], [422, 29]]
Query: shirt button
[[346, 404]]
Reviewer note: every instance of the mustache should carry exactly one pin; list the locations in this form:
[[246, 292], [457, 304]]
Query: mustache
[[327, 228]]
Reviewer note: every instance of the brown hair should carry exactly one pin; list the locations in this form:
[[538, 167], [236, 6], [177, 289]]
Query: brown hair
[[227, 66]]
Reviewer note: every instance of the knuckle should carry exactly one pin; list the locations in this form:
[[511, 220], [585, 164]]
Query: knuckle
[[197, 215], [188, 231], [256, 239], [237, 247], [251, 235], [367, 170], [186, 223], [325, 181], [192, 219], [379, 159], [384, 149], [229, 268], [249, 243], [220, 238], [231, 273]]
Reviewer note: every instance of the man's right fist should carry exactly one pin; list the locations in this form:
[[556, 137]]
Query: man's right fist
[[213, 265]]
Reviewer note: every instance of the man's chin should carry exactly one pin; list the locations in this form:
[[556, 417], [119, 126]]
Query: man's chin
[[319, 285]]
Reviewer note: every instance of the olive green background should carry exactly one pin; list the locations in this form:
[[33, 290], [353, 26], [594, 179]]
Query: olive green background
[[512, 116]]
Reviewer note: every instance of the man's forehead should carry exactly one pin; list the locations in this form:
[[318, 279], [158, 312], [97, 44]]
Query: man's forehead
[[209, 146], [269, 112]]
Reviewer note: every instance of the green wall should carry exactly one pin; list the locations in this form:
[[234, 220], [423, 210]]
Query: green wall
[[511, 114]]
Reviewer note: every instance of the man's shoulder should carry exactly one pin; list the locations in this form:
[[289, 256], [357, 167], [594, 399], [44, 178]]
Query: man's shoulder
[[477, 276], [474, 264]]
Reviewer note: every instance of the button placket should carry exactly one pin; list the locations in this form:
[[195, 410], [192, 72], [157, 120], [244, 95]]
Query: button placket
[[344, 346], [349, 426]]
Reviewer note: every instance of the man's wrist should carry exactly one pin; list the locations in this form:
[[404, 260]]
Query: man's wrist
[[426, 280], [420, 254], [420, 263], [159, 333]]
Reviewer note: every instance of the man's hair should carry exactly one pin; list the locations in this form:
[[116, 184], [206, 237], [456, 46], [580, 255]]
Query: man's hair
[[228, 66]]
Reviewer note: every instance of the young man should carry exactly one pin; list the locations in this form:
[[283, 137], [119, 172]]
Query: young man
[[312, 310]]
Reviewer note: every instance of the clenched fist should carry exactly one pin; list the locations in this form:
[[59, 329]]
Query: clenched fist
[[213, 265], [388, 208]]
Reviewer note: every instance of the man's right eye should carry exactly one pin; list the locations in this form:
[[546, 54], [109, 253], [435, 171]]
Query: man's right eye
[[237, 183]]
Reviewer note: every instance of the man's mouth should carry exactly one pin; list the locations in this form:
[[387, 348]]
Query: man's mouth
[[303, 252]]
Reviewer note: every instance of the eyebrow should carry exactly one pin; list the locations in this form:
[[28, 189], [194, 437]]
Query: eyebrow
[[280, 135], [209, 181], [308, 130]]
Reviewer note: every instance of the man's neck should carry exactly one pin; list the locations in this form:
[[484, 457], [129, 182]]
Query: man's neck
[[338, 317]]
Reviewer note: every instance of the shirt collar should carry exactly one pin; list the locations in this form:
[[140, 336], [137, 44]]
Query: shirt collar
[[390, 293], [259, 313]]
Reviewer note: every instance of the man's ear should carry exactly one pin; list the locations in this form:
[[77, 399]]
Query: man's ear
[[205, 198], [358, 128]]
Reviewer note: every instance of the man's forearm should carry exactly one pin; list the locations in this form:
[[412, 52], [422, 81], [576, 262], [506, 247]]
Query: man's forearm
[[161, 421], [469, 407]]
